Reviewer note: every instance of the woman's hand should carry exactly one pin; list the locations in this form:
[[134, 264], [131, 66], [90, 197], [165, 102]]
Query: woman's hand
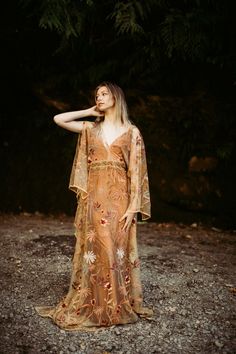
[[94, 111], [129, 217]]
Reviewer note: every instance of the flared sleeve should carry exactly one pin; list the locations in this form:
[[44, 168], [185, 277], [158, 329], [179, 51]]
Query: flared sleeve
[[138, 177], [79, 173]]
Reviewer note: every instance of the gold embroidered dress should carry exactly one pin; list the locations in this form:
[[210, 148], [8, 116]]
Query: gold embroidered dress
[[108, 180]]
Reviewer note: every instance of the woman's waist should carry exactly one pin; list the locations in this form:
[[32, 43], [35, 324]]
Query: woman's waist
[[107, 163]]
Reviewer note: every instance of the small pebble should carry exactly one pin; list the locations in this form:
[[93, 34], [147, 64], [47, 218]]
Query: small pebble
[[219, 344]]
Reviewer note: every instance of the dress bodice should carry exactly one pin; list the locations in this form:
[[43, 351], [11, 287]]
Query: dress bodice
[[98, 150]]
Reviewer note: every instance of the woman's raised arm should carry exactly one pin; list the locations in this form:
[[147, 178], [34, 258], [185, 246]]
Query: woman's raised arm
[[68, 120]]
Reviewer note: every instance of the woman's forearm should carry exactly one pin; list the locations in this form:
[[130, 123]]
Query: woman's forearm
[[68, 120], [70, 116]]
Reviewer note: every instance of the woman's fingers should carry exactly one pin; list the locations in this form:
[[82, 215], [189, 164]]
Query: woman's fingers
[[94, 111], [125, 225], [129, 217], [127, 222], [123, 217]]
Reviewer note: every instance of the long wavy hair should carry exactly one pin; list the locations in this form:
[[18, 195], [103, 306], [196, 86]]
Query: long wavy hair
[[121, 110]]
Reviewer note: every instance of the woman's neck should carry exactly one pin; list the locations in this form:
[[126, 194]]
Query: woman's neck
[[110, 117]]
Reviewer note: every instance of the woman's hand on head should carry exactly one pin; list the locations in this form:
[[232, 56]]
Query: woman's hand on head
[[94, 111], [128, 217]]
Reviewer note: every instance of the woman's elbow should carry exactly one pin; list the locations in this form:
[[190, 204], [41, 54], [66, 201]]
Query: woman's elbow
[[55, 118]]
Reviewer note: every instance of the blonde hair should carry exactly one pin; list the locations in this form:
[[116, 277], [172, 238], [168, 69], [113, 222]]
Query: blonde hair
[[121, 110]]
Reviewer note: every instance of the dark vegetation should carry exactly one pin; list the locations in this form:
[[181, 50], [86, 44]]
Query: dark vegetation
[[176, 63]]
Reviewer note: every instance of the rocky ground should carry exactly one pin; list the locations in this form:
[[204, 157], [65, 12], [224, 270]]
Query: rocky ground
[[188, 277]]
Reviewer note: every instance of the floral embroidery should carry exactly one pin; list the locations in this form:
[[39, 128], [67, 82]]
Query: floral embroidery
[[98, 310], [85, 292], [107, 285], [103, 222], [118, 194], [78, 287], [93, 302], [96, 205], [90, 257], [127, 279], [91, 236], [120, 253]]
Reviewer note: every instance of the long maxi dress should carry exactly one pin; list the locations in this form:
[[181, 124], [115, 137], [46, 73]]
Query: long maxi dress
[[108, 180]]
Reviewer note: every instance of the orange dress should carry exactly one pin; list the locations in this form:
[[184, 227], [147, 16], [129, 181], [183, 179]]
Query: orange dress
[[108, 180]]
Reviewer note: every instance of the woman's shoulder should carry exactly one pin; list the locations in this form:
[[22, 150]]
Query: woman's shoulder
[[135, 130]]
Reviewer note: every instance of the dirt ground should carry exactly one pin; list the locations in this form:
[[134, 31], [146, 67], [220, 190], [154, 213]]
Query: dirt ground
[[188, 275]]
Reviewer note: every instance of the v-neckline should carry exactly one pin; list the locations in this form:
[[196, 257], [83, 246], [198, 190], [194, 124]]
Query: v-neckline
[[118, 137]]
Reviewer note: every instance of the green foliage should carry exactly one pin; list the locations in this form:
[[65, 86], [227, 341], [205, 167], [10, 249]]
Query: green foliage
[[127, 14], [62, 17], [182, 33], [66, 17], [137, 37]]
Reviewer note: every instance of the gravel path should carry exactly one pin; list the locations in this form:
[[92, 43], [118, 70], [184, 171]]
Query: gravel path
[[188, 275]]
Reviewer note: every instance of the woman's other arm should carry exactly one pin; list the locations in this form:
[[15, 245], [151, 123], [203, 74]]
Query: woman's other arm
[[68, 120]]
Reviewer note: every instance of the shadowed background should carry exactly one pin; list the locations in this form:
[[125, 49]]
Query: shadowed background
[[175, 60]]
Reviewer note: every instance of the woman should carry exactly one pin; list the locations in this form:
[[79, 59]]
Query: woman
[[109, 177]]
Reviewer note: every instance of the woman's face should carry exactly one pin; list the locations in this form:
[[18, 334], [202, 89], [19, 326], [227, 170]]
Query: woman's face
[[104, 99]]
